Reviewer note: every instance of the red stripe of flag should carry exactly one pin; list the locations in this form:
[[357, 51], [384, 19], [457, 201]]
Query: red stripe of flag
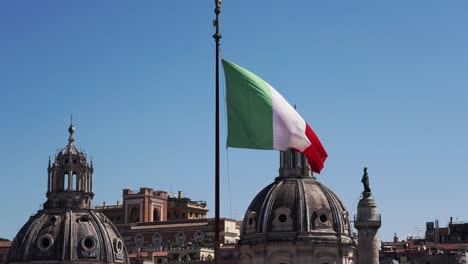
[[315, 153]]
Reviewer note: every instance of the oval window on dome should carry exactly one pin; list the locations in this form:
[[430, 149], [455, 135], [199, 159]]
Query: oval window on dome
[[118, 246], [45, 242], [88, 243], [323, 218], [282, 218]]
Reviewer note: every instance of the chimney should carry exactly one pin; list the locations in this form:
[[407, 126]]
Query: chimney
[[451, 220], [104, 204], [181, 194], [118, 202]]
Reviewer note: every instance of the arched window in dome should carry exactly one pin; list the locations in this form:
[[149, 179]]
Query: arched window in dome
[[250, 223], [313, 219], [134, 216], [346, 222]]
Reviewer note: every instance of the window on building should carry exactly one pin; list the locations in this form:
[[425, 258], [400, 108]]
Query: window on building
[[157, 240], [180, 238], [139, 240], [156, 215], [134, 216]]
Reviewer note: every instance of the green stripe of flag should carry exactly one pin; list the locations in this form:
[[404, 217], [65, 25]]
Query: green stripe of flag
[[249, 109]]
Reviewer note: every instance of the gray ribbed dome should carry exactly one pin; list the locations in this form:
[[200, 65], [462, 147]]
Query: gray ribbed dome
[[68, 237], [296, 207]]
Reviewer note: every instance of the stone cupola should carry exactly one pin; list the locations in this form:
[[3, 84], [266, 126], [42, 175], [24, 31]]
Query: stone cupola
[[70, 178]]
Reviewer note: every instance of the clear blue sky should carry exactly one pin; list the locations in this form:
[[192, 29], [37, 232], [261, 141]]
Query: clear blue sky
[[383, 84]]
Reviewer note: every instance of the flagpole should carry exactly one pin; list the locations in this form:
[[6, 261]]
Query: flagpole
[[217, 37]]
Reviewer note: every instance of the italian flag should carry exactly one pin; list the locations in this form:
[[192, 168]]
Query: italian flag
[[260, 118]]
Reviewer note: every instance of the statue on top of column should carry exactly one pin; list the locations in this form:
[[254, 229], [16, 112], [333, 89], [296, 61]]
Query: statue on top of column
[[365, 181]]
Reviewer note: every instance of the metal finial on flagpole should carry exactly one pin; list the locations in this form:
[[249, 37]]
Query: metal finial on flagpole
[[217, 37]]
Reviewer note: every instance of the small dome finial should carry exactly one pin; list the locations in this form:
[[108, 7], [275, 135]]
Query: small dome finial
[[71, 129]]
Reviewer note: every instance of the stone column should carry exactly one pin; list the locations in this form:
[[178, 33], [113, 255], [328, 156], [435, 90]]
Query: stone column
[[367, 222]]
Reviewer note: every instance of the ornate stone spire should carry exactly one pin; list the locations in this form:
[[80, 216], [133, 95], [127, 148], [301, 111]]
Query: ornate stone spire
[[70, 178]]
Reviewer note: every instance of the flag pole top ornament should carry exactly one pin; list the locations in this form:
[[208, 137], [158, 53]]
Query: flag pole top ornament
[[217, 35]]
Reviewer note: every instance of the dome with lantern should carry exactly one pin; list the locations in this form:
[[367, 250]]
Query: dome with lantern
[[296, 219], [67, 230]]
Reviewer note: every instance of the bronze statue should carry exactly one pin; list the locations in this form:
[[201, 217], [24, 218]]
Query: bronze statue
[[365, 181]]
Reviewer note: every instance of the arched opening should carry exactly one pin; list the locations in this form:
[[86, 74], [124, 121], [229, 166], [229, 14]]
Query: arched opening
[[65, 182], [156, 215], [134, 216], [74, 182], [314, 218], [157, 240]]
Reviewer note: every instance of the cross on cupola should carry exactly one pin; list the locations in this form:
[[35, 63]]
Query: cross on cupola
[[70, 178]]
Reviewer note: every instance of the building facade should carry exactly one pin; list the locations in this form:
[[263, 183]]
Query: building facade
[[159, 227], [147, 205], [441, 245], [4, 249]]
